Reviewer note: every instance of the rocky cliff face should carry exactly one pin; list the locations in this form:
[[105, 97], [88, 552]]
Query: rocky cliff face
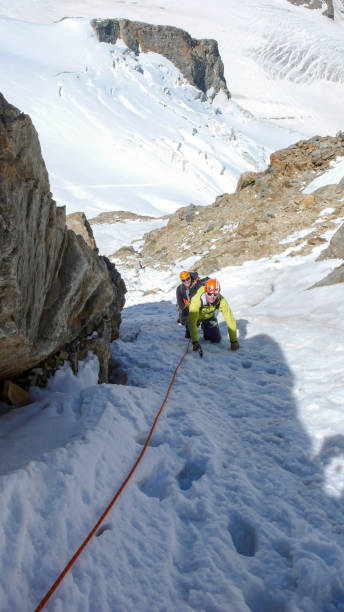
[[262, 218], [57, 296], [198, 60]]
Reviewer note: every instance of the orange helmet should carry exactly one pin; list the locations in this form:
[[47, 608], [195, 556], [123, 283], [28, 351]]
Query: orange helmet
[[212, 286], [184, 275]]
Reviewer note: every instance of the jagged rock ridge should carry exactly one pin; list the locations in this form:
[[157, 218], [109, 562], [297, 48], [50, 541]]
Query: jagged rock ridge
[[198, 60], [258, 220], [316, 4], [56, 294], [117, 216]]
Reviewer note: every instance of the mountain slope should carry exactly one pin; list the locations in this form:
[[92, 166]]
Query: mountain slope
[[120, 131]]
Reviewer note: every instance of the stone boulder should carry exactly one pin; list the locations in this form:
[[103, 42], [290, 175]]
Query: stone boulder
[[57, 296], [78, 223], [335, 277], [199, 61], [305, 155], [335, 249]]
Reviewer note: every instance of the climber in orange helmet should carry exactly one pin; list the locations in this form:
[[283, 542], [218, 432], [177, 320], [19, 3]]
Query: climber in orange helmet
[[203, 308], [183, 297]]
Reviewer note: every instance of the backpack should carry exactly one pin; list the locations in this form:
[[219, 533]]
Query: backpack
[[200, 283]]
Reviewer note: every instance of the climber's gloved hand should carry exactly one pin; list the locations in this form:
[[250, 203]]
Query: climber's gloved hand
[[196, 345], [234, 345]]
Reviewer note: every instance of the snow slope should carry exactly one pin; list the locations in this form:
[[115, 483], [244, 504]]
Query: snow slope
[[237, 504]]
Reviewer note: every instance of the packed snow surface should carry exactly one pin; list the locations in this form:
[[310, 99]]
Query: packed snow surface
[[237, 504]]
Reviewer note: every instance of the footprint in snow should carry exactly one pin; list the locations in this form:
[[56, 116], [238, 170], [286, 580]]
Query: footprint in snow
[[243, 536], [246, 364], [189, 473], [262, 383], [85, 496], [178, 414], [103, 528], [157, 484], [154, 442]]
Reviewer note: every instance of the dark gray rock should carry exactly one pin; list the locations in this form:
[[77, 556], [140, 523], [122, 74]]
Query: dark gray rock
[[107, 30], [335, 277], [335, 249], [198, 60], [55, 291], [316, 4]]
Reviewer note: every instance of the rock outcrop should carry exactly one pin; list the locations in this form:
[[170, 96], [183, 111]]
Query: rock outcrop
[[268, 214], [317, 4], [57, 296], [78, 223], [335, 249], [199, 61], [334, 278], [117, 216]]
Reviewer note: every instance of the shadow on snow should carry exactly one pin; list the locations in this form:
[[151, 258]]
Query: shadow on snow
[[272, 472]]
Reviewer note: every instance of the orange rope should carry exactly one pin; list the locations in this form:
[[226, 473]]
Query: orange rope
[[85, 542]]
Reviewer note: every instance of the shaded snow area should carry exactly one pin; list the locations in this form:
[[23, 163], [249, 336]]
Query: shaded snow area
[[237, 503]]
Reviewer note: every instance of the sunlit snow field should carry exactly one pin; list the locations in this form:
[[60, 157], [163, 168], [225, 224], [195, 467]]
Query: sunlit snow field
[[121, 132]]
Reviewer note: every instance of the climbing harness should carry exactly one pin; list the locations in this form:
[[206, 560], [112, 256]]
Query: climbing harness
[[117, 494]]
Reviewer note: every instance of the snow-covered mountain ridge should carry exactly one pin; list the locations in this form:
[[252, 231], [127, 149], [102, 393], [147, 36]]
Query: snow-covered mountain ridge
[[317, 4], [120, 131]]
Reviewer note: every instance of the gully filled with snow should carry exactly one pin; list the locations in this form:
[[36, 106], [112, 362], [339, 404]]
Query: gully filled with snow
[[237, 505]]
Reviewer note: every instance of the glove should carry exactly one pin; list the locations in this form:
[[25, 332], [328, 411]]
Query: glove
[[196, 346], [234, 345]]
